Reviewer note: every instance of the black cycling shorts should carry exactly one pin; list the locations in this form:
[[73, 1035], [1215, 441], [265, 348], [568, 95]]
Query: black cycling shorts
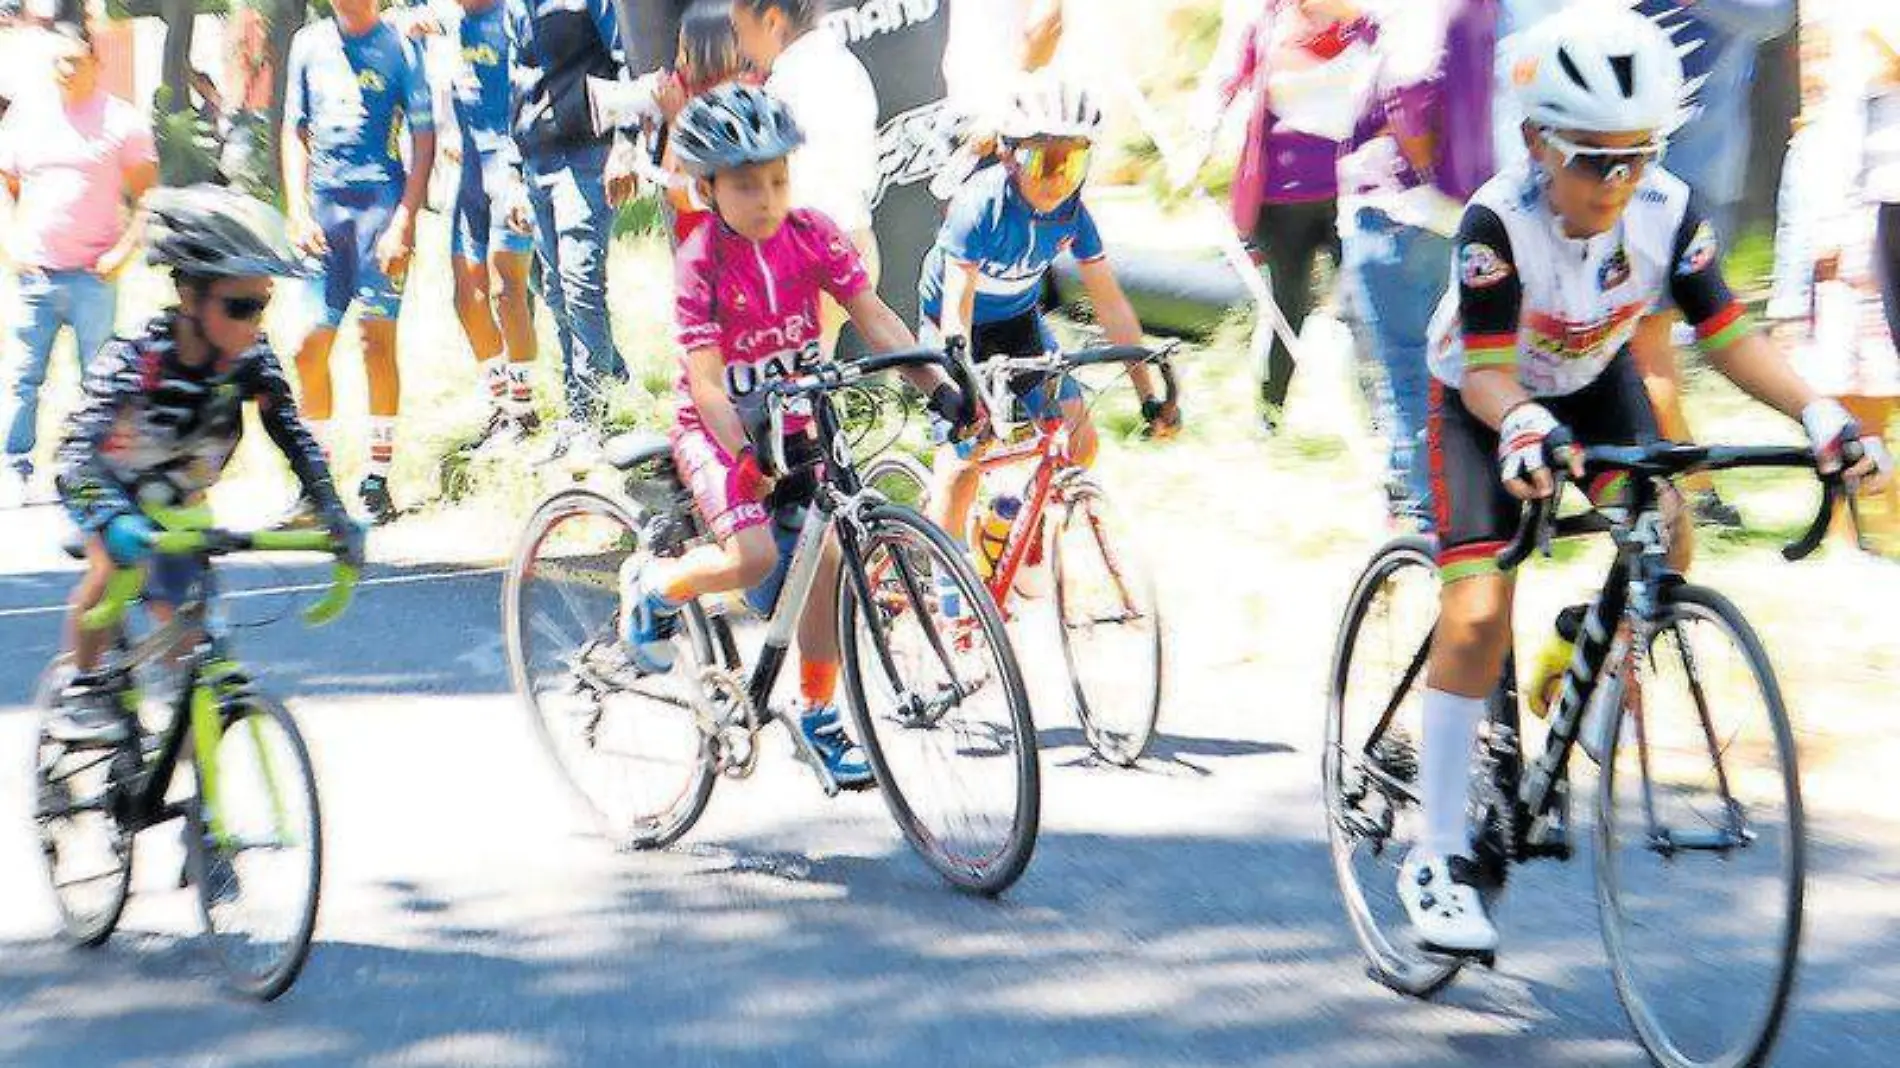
[[1476, 515]]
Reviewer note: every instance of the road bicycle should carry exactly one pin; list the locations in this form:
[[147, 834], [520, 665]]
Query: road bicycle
[[942, 715], [252, 829], [1107, 610], [1696, 760]]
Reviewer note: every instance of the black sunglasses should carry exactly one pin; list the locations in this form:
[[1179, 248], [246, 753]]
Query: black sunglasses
[[243, 309]]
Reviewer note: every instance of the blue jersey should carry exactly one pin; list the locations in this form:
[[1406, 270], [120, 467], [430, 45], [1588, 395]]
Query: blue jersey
[[991, 226], [352, 95], [480, 86]]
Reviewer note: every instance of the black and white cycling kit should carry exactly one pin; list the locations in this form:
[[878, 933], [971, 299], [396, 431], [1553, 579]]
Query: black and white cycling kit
[[152, 430], [1560, 312]]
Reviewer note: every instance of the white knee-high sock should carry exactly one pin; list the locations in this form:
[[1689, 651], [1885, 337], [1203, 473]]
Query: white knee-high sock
[[382, 444], [1451, 731]]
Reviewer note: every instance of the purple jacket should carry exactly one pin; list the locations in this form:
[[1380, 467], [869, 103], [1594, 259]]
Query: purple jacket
[[1434, 119], [1278, 165]]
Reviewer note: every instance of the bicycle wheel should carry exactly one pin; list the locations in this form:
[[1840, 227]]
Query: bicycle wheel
[[1109, 616], [1700, 843], [940, 705], [87, 855], [1372, 819], [901, 478], [254, 848], [631, 749]]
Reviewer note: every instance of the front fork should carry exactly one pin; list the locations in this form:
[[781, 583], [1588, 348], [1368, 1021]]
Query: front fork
[[222, 690]]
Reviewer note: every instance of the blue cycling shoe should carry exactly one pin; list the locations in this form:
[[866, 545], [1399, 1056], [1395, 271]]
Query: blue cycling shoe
[[646, 621], [842, 756]]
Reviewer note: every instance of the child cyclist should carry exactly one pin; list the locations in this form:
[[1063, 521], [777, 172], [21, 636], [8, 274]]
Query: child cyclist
[[748, 282], [162, 416], [983, 279], [1558, 258]]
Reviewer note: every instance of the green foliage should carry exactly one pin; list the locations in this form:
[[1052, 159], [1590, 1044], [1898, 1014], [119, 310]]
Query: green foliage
[[639, 217], [1750, 264], [187, 145]]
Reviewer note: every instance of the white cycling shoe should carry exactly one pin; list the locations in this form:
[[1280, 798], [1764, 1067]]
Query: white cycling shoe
[[1443, 904]]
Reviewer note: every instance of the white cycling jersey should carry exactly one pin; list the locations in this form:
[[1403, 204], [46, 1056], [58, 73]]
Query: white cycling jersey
[[1558, 309]]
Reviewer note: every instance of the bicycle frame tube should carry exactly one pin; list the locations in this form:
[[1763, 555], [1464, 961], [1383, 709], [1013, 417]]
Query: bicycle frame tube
[[1051, 450], [807, 554]]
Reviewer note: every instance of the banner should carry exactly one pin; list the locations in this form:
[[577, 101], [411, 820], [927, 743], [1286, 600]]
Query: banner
[[901, 43]]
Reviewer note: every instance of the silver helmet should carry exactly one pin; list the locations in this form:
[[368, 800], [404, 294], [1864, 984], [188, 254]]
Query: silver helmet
[[209, 231], [732, 126]]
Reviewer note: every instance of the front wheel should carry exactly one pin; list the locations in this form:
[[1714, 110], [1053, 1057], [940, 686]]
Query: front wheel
[[254, 847], [1370, 759], [1110, 620], [1701, 847], [939, 703]]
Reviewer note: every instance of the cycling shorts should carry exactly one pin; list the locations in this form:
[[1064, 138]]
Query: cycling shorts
[[353, 220], [1021, 335], [476, 230], [1476, 514], [169, 579]]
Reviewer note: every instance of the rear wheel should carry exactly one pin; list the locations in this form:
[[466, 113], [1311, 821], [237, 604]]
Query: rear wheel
[[1701, 846], [940, 705], [1369, 763], [254, 848], [87, 855], [631, 748], [1110, 621]]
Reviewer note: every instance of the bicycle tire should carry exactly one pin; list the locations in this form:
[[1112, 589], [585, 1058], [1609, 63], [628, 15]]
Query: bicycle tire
[[901, 478], [1757, 1041], [993, 873], [1124, 575], [1394, 962], [679, 810], [220, 885], [86, 924]]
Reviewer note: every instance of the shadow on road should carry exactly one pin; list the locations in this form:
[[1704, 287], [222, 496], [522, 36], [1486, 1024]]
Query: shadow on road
[[868, 960]]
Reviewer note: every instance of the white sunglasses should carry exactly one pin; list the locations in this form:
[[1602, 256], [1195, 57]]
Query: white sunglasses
[[1609, 165]]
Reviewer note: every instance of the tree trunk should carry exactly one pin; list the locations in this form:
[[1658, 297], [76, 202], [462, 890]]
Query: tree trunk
[[286, 17], [180, 17]]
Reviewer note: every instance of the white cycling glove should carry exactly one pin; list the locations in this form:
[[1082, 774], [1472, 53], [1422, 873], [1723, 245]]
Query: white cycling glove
[[1522, 438], [1830, 427]]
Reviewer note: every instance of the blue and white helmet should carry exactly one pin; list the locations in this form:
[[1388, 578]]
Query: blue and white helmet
[[1599, 67], [733, 126], [1047, 105]]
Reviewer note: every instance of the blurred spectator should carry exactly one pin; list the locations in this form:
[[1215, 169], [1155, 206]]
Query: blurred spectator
[[1305, 62], [1402, 191], [564, 160], [76, 164], [830, 95], [354, 84]]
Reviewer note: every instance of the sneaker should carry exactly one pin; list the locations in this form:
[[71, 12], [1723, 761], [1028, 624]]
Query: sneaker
[[377, 504], [1441, 898], [89, 714], [1160, 420], [646, 621], [1710, 510], [500, 429], [575, 446], [842, 757]]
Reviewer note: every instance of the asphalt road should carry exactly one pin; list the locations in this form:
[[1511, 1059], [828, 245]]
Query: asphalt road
[[1182, 913]]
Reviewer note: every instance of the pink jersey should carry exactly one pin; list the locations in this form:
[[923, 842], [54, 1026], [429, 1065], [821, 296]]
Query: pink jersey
[[757, 301]]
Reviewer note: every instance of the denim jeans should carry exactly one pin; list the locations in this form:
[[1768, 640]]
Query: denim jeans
[[1399, 273], [49, 300], [573, 226]]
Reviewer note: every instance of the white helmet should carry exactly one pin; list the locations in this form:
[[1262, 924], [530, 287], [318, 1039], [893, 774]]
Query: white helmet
[[1599, 67], [1045, 105]]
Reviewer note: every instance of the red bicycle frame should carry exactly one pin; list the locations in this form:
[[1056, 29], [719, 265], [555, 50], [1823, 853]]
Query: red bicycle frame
[[1049, 447]]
